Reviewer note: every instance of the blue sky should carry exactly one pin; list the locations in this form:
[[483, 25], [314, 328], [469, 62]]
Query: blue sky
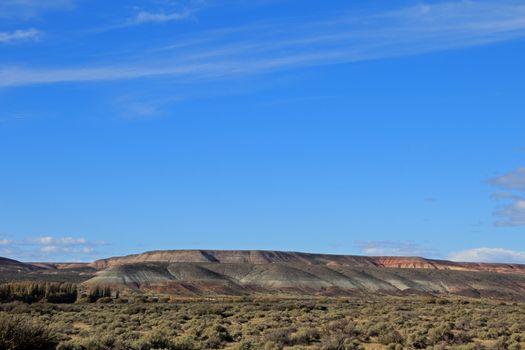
[[354, 127]]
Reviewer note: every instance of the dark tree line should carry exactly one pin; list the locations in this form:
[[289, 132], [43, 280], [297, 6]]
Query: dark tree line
[[98, 292], [31, 292]]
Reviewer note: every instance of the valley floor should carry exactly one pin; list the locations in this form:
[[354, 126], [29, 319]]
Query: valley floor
[[273, 323]]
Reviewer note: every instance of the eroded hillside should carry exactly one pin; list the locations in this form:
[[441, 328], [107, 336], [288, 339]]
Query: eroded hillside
[[208, 272], [212, 272]]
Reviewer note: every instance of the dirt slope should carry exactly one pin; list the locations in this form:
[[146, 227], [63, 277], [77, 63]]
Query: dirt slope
[[16, 271], [197, 272], [13, 266]]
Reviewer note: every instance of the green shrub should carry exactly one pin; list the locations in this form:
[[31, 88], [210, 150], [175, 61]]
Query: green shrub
[[183, 343], [305, 336], [279, 336], [418, 340], [246, 345], [440, 334], [339, 341], [390, 337], [514, 346], [19, 333]]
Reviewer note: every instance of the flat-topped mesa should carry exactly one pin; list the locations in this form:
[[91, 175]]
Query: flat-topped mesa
[[246, 272], [422, 263], [213, 256], [257, 257]]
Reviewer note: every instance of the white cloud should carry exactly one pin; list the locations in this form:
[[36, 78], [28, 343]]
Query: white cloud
[[48, 240], [393, 248], [279, 46], [159, 17], [488, 255], [50, 248], [19, 35], [514, 180], [42, 240], [513, 211], [67, 250], [170, 12]]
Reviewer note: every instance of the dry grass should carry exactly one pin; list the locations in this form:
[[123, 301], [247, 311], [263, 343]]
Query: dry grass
[[268, 323]]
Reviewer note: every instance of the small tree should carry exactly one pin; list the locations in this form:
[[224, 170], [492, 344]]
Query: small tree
[[98, 292]]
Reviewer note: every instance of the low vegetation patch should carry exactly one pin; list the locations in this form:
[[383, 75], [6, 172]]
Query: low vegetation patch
[[264, 323], [24, 333]]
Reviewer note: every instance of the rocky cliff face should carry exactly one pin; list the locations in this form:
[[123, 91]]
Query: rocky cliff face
[[257, 257], [211, 272], [422, 263]]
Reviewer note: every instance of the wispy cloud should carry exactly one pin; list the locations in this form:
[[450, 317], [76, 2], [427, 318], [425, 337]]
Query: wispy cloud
[[170, 11], [19, 35], [63, 241], [268, 47], [25, 9], [9, 118], [488, 255], [133, 107], [513, 211], [49, 247], [394, 248], [159, 17], [514, 180]]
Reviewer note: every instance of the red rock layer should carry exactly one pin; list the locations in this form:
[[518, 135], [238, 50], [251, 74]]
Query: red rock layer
[[267, 257]]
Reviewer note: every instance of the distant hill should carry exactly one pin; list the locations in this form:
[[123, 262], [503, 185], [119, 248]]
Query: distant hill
[[13, 266], [234, 272], [266, 257], [12, 271], [237, 272]]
